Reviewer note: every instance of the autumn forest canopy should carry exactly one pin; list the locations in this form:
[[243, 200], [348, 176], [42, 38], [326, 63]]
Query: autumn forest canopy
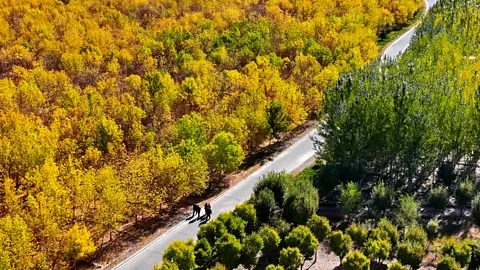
[[110, 110]]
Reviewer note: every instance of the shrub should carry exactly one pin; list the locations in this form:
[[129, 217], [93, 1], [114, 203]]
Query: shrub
[[247, 212], [212, 231], [320, 227], [229, 250], [302, 238], [382, 197], [386, 231], [408, 211], [203, 253], [166, 265], [476, 209], [234, 224], [181, 253], [377, 249], [283, 228], [264, 201], [448, 263], [411, 253], [475, 260], [273, 267], [432, 228], [340, 243], [218, 266], [252, 245], [275, 182], [460, 251], [416, 233], [350, 198], [358, 233], [271, 239], [447, 174], [397, 266], [465, 192], [438, 197], [301, 202], [356, 261], [290, 258]]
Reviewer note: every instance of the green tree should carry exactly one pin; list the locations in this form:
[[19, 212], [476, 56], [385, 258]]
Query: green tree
[[212, 231], [276, 182], [192, 127], [408, 211], [278, 119], [350, 198], [252, 245], [302, 238], [448, 263], [464, 193], [181, 253], [397, 266], [290, 258], [271, 239], [203, 253], [247, 212], [378, 250], [234, 224], [224, 153], [340, 243], [411, 253], [356, 261], [382, 197], [166, 265], [229, 250], [460, 251], [358, 233], [320, 227], [273, 267], [218, 266], [438, 197], [264, 202], [415, 233], [301, 202]]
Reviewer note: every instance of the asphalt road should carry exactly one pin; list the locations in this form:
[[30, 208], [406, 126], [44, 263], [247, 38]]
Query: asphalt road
[[288, 160]]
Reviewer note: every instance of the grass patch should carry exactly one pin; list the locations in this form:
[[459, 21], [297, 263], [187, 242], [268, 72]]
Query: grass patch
[[385, 38]]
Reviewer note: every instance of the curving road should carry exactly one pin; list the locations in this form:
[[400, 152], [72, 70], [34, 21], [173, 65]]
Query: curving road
[[288, 160]]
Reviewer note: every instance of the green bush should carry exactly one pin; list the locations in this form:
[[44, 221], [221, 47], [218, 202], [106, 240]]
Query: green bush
[[218, 266], [271, 239], [397, 266], [166, 265], [264, 202], [411, 253], [475, 260], [247, 212], [416, 233], [302, 238], [460, 251], [229, 250], [212, 231], [386, 231], [273, 267], [320, 227], [432, 228], [448, 263], [382, 197], [252, 245], [283, 228], [181, 253], [408, 211], [438, 197], [290, 258], [377, 249], [476, 209], [465, 192], [356, 261], [340, 243], [275, 182], [301, 202], [358, 233], [234, 224], [203, 253], [350, 198]]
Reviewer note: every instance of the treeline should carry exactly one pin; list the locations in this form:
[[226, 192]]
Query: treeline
[[413, 120], [110, 110]]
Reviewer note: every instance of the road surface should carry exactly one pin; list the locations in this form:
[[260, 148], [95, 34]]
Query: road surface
[[288, 160]]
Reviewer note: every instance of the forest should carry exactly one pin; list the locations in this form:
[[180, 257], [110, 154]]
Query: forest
[[113, 109], [399, 159]]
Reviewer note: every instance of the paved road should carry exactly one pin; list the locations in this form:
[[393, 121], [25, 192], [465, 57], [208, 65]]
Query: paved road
[[288, 160], [401, 44]]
